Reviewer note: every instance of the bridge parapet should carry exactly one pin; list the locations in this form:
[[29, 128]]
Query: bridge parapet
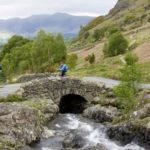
[[55, 88]]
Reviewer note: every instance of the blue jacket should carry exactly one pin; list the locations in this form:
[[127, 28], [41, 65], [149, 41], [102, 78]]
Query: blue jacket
[[63, 67]]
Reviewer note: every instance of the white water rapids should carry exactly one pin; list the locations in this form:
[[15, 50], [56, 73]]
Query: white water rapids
[[93, 133]]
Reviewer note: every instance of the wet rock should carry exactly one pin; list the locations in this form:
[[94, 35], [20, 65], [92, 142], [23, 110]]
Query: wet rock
[[137, 130], [101, 114], [47, 133], [97, 147], [74, 141]]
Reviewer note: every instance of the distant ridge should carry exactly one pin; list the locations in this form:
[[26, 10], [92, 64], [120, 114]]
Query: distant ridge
[[58, 22]]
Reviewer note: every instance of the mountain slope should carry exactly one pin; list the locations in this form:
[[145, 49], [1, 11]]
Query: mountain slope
[[59, 22], [126, 15], [132, 17]]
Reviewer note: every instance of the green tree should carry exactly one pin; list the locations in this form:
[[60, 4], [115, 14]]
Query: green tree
[[116, 45], [90, 58], [22, 55], [13, 42], [130, 77], [97, 34]]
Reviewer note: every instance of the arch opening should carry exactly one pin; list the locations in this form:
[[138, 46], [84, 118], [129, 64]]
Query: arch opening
[[72, 103]]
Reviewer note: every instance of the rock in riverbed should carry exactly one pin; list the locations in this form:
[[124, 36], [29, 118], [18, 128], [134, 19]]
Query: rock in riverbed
[[136, 128], [22, 123], [101, 114]]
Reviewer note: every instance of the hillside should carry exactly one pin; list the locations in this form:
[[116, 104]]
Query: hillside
[[58, 22], [127, 15], [132, 18]]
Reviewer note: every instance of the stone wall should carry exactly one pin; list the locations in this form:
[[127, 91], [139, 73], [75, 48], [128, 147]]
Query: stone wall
[[55, 88], [29, 77]]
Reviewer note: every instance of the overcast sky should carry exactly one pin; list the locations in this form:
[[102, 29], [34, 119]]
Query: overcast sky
[[25, 8]]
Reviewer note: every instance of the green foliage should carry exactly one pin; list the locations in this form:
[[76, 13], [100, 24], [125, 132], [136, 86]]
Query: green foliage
[[12, 98], [111, 30], [22, 55], [2, 77], [116, 45], [90, 58], [129, 18], [97, 34], [72, 61], [126, 97], [130, 76], [86, 35], [13, 42]]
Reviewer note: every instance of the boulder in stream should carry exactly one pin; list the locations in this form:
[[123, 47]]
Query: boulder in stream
[[73, 140], [101, 114]]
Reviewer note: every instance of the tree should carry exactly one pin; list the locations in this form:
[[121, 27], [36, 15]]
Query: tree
[[97, 34], [130, 77], [90, 58], [14, 41], [116, 45], [28, 56]]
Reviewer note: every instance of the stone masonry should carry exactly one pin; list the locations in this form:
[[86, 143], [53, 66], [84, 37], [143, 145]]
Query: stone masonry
[[55, 88]]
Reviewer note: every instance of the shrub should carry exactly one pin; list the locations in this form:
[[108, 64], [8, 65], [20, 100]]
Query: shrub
[[90, 58], [86, 35], [130, 76], [116, 45]]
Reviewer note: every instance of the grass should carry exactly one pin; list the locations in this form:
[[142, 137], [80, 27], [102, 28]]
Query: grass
[[102, 68], [109, 68], [145, 69], [12, 98]]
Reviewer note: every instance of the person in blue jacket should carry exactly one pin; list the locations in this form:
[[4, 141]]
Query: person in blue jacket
[[63, 68]]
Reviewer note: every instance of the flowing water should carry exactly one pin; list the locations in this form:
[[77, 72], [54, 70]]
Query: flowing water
[[92, 133]]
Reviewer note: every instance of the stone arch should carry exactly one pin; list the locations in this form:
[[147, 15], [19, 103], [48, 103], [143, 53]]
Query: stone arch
[[72, 103]]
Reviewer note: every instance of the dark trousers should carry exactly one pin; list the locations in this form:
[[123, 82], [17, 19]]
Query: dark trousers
[[63, 73]]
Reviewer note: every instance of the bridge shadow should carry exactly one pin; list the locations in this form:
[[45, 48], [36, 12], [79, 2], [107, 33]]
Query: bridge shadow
[[72, 103]]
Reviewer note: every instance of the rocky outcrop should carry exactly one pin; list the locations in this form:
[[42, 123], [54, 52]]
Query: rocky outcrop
[[121, 5], [46, 108], [22, 123], [19, 125], [101, 114], [137, 128]]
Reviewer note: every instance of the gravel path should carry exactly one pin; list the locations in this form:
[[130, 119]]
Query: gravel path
[[8, 89], [109, 82]]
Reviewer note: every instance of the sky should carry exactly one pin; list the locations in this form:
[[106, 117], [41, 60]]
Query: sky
[[25, 8]]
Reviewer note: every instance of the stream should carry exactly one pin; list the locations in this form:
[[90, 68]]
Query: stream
[[86, 133]]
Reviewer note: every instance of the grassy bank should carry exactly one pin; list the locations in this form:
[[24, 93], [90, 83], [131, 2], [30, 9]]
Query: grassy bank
[[109, 68]]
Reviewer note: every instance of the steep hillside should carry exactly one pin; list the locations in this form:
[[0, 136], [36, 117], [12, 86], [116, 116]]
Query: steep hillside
[[127, 15], [132, 18]]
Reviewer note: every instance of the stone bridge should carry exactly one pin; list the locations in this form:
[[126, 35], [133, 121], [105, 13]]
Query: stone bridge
[[68, 93]]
